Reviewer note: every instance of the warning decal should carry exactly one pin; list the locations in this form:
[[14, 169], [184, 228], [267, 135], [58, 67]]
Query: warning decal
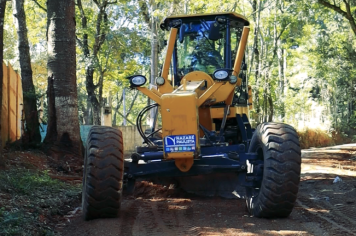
[[180, 143]]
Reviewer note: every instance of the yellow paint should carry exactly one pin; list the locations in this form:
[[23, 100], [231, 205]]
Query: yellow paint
[[218, 113], [241, 110], [180, 155], [223, 93], [208, 14], [199, 76], [184, 164], [229, 99], [205, 119], [184, 82], [150, 94], [241, 52], [205, 96], [155, 91], [191, 86], [167, 87], [180, 117]]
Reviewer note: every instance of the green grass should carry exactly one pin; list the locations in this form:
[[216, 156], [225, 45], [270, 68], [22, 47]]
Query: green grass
[[30, 196], [25, 182]]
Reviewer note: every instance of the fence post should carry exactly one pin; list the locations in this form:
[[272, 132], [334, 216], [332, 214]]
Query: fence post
[[5, 106]]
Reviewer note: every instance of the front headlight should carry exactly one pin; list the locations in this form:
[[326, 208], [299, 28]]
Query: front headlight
[[221, 74], [160, 81], [137, 80], [233, 79]]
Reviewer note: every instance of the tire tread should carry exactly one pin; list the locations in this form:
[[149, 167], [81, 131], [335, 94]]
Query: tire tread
[[103, 174], [281, 175]]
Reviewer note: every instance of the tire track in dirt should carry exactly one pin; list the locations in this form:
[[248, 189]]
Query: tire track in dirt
[[146, 223], [128, 217], [328, 219], [347, 212], [172, 213], [187, 219], [157, 217]]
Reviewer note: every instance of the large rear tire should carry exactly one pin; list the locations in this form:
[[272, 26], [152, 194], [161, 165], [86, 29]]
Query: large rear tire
[[103, 173], [277, 145]]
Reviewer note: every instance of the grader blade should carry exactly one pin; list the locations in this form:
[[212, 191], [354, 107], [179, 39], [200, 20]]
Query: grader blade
[[223, 185]]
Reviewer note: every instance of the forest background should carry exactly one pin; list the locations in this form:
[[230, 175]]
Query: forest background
[[301, 57]]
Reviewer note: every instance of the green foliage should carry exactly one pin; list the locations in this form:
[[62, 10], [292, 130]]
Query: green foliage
[[318, 45], [26, 182], [30, 196]]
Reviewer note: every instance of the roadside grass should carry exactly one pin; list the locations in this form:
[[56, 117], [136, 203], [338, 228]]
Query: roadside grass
[[320, 138], [31, 201], [314, 138]]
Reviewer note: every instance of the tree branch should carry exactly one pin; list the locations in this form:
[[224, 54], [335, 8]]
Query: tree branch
[[79, 41], [333, 7], [144, 12], [125, 118], [347, 14], [39, 5], [132, 104]]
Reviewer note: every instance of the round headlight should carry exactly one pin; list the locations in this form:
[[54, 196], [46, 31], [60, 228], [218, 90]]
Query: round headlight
[[138, 80], [221, 74], [159, 80], [233, 79]]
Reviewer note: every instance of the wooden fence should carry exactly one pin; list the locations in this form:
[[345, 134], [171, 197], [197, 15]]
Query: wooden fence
[[12, 103]]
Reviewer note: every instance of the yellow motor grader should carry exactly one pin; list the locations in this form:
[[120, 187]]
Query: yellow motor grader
[[205, 143]]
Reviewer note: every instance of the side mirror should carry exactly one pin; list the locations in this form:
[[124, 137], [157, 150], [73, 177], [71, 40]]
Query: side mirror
[[182, 30], [214, 31]]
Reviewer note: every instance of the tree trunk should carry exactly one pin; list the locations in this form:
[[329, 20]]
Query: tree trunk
[[271, 111], [131, 106], [154, 57], [88, 119], [281, 74], [256, 54], [95, 105], [2, 16], [63, 133], [32, 134], [92, 59], [119, 102]]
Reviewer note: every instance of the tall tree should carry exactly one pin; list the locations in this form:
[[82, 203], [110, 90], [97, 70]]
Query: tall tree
[[2, 16], [32, 132], [63, 134], [91, 51], [344, 8]]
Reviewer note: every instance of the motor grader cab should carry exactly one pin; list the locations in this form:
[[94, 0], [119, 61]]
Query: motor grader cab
[[205, 143]]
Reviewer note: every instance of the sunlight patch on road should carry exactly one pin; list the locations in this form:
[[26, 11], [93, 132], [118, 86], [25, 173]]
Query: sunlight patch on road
[[307, 168], [283, 232]]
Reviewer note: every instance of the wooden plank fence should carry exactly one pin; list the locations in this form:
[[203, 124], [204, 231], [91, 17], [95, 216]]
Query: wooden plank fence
[[12, 105]]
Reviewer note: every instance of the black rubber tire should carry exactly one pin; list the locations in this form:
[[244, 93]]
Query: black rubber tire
[[278, 145], [103, 173]]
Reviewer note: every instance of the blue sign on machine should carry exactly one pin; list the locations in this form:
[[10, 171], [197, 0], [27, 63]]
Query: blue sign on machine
[[180, 143]]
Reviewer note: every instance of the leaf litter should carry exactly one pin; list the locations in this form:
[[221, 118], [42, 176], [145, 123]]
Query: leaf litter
[[36, 199]]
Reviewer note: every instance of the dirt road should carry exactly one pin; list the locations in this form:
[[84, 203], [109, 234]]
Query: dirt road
[[322, 208]]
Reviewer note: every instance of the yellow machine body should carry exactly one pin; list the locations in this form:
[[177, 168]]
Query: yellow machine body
[[184, 108], [179, 113]]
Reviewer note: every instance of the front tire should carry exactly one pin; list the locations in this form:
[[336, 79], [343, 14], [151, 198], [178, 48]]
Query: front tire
[[277, 144], [103, 173]]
